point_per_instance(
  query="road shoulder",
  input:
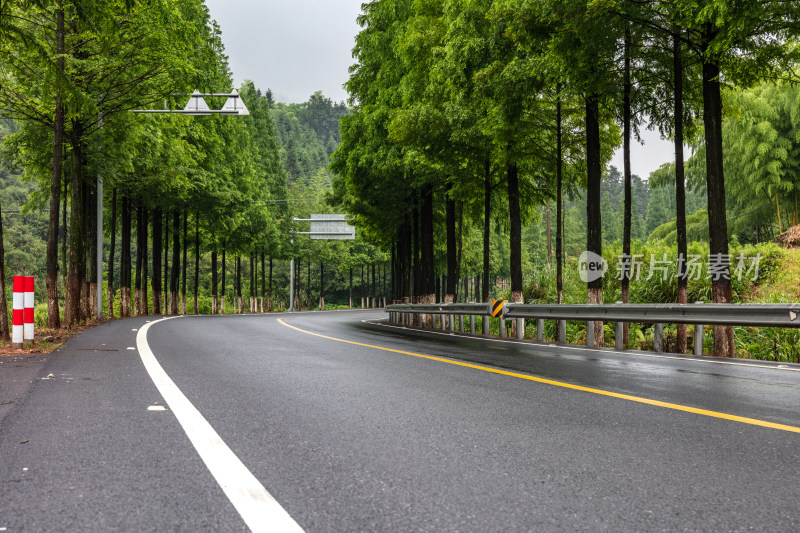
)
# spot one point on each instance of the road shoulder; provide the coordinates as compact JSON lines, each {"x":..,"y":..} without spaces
{"x":17,"y":374}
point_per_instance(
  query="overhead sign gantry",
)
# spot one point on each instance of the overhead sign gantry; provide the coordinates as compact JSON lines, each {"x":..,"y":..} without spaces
{"x":326,"y":227}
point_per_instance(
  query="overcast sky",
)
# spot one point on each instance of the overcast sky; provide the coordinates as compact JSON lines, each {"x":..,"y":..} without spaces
{"x":294,"y":47}
{"x":297,"y":47}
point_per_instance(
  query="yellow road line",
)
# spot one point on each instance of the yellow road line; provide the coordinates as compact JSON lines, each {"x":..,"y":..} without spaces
{"x":638,"y":399}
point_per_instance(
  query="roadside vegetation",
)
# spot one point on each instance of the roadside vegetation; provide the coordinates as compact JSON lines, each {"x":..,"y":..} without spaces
{"x":473,"y":156}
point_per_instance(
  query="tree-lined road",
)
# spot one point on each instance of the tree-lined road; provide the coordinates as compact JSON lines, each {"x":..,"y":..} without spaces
{"x":392,"y":431}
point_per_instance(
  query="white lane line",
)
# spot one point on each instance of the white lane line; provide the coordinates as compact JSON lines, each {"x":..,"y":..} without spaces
{"x":260,"y":511}
{"x":375,"y":322}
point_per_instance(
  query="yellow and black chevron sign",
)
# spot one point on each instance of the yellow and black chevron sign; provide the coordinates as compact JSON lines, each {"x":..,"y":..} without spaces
{"x":497,"y":307}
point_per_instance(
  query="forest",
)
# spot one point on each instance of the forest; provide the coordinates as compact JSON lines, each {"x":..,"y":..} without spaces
{"x":487,"y":110}
{"x":195,"y":208}
{"x":472,"y":156}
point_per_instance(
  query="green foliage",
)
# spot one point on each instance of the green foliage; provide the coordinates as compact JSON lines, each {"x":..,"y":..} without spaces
{"x":696,"y":229}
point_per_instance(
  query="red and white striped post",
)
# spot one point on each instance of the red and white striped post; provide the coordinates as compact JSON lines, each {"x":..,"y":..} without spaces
{"x":27,"y":325}
{"x":18,"y":312}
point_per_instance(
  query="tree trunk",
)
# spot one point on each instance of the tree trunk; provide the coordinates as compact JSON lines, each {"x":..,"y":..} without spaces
{"x":125,"y":259}
{"x":416,"y":261}
{"x":321,"y":286}
{"x":111,"y":251}
{"x":427,"y":283}
{"x":715,"y":186}
{"x":269,"y":299}
{"x":351,"y":287}
{"x":308,"y":284}
{"x":559,"y":202}
{"x":53,"y":313}
{"x":222,"y":282}
{"x":680,"y":187}
{"x":76,"y":228}
{"x":626,"y":154}
{"x":452,"y":269}
{"x":515,"y":221}
{"x":396,"y":277}
{"x":487,"y":226}
{"x":549,"y":242}
{"x":459,"y":240}
{"x":157,"y":247}
{"x":167,"y":280}
{"x":145,"y":259}
{"x":137,"y":299}
{"x":214,"y":293}
{"x":253,"y":283}
{"x":239,"y":283}
{"x":236,"y":299}
{"x":91,"y":216}
{"x":64,"y":239}
{"x":263,"y":281}
{"x":375,"y":289}
{"x":87,"y":233}
{"x":5,"y":332}
{"x":594,"y":241}
{"x":183,"y":265}
{"x":406,"y":262}
{"x":176,"y":263}
{"x":197,"y":263}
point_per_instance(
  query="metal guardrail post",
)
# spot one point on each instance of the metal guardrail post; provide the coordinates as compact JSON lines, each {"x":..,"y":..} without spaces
{"x":485,"y":324}
{"x":698,"y":337}
{"x":451,"y":326}
{"x":540,"y":329}
{"x":502,"y":330}
{"x":520,"y":328}
{"x":619,"y":336}
{"x":590,"y":333}
{"x":472,"y":324}
{"x":562,"y":331}
{"x":658,"y":338}
{"x":461,"y":326}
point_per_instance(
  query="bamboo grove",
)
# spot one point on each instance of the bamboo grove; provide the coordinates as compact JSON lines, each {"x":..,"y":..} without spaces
{"x":498,"y":106}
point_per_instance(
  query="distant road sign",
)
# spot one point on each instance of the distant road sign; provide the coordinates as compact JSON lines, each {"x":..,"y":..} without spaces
{"x":328,"y":227}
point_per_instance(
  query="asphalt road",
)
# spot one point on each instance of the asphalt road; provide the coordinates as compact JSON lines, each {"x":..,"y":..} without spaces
{"x":277,"y":424}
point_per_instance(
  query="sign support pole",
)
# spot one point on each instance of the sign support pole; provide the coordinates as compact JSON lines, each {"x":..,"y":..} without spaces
{"x":291,"y":283}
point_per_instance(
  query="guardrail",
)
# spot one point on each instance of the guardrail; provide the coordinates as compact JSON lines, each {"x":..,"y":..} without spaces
{"x":763,"y":315}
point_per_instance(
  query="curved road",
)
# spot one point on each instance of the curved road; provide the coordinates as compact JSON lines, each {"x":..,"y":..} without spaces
{"x":338,"y":421}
